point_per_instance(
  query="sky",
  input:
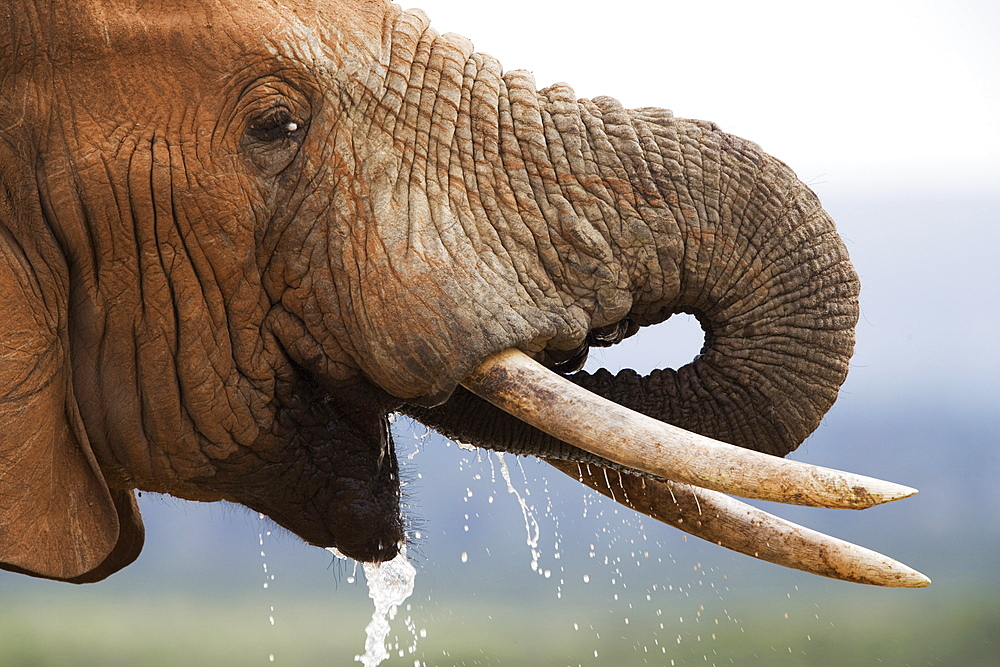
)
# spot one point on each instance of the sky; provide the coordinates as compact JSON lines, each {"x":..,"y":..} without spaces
{"x":860,"y":93}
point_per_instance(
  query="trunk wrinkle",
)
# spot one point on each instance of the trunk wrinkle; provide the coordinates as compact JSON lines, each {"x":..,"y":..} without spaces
{"x":590,"y":220}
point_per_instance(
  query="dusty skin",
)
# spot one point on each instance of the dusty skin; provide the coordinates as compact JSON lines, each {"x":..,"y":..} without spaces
{"x":235,"y":237}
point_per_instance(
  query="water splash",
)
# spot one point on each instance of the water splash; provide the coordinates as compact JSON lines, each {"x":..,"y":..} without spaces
{"x":389,"y":585}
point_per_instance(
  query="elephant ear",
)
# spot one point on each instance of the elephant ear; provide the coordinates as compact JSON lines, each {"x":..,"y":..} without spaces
{"x":58,"y":518}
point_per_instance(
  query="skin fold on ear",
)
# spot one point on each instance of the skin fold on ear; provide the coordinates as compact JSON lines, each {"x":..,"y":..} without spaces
{"x":58,"y":518}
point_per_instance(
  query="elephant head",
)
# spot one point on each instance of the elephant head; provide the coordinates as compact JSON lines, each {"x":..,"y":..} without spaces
{"x":235,"y":237}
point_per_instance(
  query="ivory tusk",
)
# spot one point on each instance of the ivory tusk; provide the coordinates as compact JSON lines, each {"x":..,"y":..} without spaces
{"x":734,"y":525}
{"x":521,"y":386}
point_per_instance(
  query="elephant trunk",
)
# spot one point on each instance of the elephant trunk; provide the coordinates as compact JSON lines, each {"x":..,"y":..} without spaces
{"x":616,"y":219}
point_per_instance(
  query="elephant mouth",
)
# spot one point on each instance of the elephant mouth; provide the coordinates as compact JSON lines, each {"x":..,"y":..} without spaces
{"x":681,"y":477}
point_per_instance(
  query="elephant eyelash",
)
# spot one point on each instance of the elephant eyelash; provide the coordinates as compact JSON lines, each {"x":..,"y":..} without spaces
{"x":274,"y":125}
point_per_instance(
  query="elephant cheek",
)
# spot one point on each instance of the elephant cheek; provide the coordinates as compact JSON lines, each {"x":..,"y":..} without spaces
{"x":421,"y":290}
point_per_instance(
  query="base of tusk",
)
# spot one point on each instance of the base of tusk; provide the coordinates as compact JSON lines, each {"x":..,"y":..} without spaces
{"x":734,"y":525}
{"x":521,"y":386}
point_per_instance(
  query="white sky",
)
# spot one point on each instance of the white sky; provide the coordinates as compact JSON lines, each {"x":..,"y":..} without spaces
{"x":869,"y":94}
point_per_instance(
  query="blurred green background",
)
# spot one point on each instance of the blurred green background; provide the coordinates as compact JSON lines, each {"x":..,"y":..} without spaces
{"x":163,"y":628}
{"x":889,"y":111}
{"x":607,"y":587}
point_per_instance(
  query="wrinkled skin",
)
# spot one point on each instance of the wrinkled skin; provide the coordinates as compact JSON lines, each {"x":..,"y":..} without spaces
{"x":235,"y":236}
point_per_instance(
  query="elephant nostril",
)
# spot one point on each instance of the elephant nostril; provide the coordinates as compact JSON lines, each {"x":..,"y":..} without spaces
{"x":567,"y":362}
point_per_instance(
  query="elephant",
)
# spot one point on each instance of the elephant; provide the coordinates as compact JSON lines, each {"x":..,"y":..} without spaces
{"x":235,"y":238}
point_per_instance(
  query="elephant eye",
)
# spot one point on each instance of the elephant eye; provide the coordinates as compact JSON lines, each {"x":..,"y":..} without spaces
{"x":274,"y":125}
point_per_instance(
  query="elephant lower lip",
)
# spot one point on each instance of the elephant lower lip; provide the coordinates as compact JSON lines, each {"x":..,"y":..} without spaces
{"x":366,"y":553}
{"x":368,"y":529}
{"x":363,"y":536}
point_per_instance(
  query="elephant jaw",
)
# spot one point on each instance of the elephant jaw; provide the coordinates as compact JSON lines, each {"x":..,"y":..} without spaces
{"x":699,"y":471}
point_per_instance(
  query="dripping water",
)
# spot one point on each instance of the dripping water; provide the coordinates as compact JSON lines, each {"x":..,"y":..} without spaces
{"x":268,"y":576}
{"x":530,"y":523}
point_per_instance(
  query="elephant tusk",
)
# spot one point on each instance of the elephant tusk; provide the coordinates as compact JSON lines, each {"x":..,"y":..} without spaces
{"x":521,"y":386}
{"x":734,"y":525}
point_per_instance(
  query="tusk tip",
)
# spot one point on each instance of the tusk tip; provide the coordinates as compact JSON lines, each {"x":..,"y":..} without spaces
{"x":886,"y":492}
{"x":893,"y":574}
{"x":913,"y":579}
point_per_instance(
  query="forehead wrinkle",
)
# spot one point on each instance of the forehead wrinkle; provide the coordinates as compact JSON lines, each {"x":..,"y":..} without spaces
{"x":220,"y":38}
{"x":296,"y":40}
{"x":70,"y":32}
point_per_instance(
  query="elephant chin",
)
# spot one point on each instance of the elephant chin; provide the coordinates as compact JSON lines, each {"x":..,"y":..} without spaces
{"x":359,"y":519}
{"x":369,"y":545}
{"x":367,"y":530}
{"x":334,"y":483}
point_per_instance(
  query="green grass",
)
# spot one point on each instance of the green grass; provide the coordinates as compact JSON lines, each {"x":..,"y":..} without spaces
{"x":62,"y":627}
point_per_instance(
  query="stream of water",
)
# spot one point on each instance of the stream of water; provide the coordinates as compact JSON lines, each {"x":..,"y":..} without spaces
{"x":389,"y":585}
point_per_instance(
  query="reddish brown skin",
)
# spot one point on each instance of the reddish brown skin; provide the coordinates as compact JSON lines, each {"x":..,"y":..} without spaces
{"x":235,"y":236}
